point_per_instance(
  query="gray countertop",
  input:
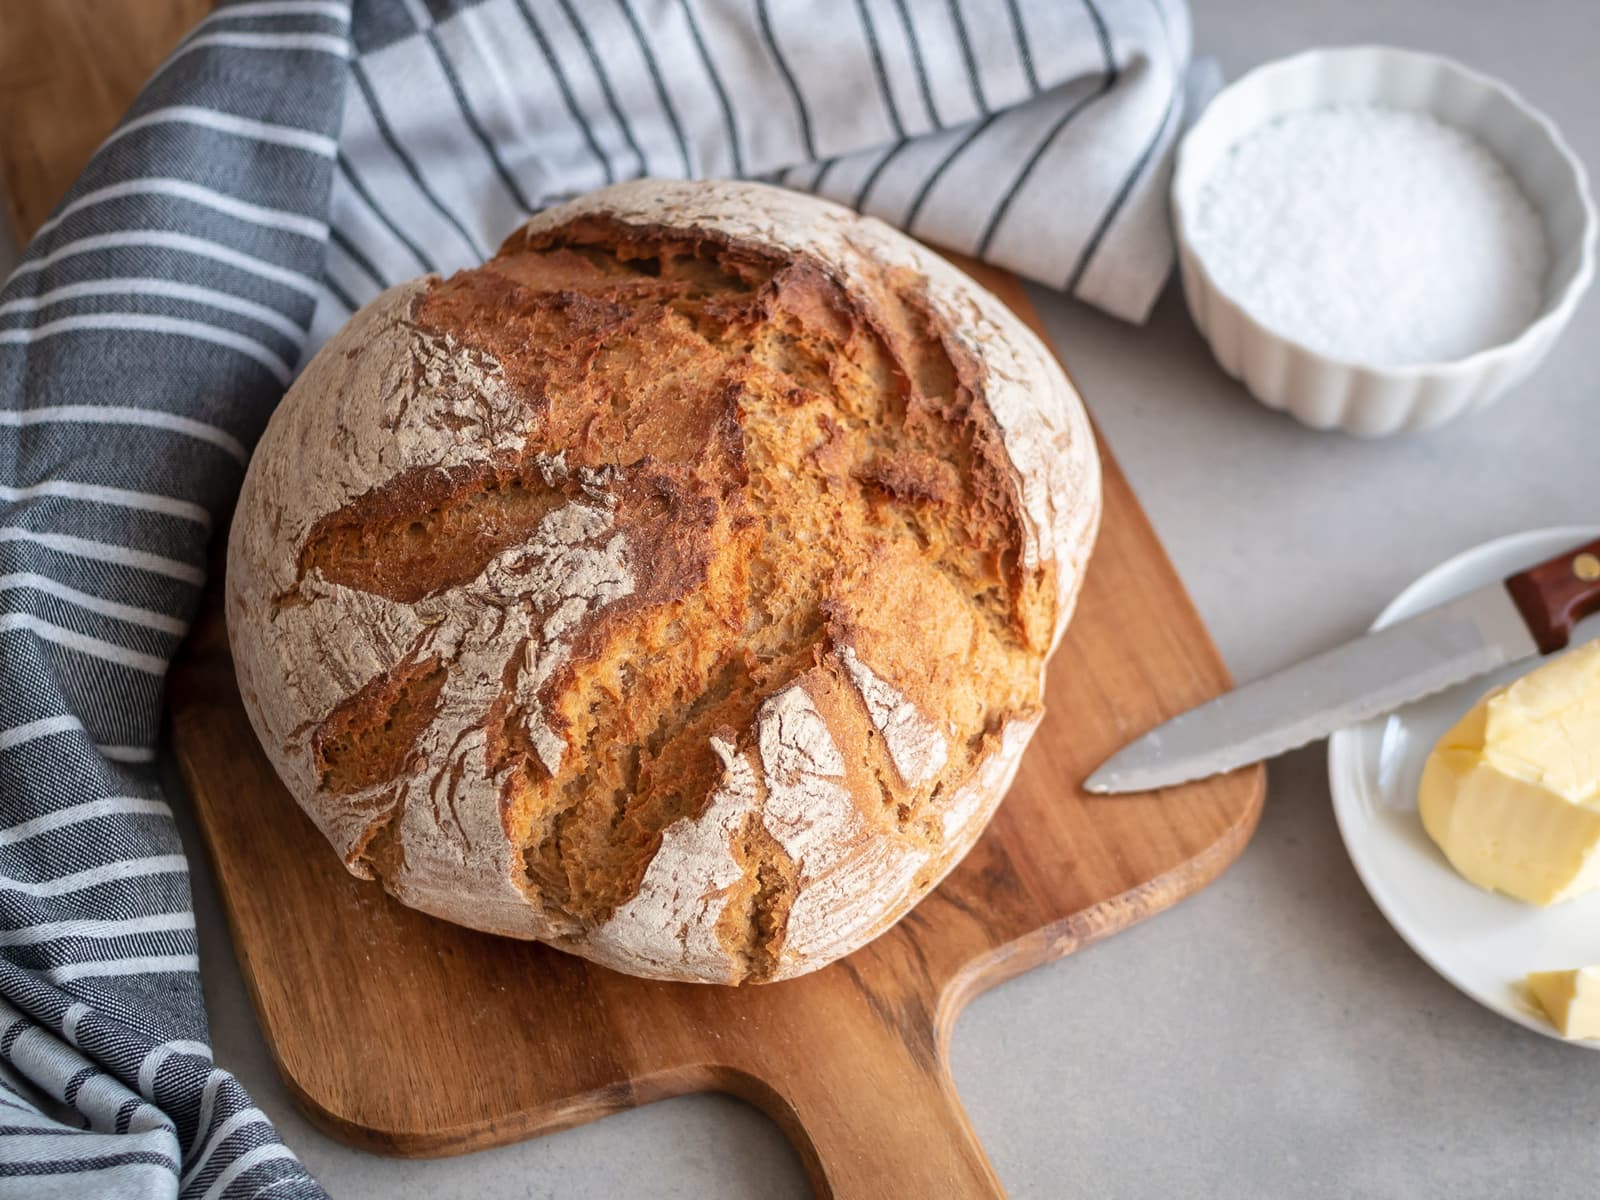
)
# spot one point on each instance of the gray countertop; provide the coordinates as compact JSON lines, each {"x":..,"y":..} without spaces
{"x":1271,"y":1036}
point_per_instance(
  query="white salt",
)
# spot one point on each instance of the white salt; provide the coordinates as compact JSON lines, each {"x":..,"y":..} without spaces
{"x":1374,"y":236}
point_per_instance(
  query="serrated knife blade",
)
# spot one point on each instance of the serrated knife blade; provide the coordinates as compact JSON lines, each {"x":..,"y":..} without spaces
{"x":1362,"y":679}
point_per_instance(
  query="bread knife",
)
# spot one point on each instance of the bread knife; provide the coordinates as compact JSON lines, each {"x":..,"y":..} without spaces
{"x":1526,"y":615}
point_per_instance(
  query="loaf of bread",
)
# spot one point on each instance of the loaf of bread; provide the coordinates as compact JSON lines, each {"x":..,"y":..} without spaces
{"x":676,"y":588}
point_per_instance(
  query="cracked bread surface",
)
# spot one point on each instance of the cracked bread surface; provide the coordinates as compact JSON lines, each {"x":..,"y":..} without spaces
{"x":675,"y":588}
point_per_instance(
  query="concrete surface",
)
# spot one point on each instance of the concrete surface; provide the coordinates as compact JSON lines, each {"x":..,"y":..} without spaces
{"x":1272,"y":1036}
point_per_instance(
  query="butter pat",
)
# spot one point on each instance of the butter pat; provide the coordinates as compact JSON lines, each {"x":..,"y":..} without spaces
{"x":1512,"y":793}
{"x":1571,"y":999}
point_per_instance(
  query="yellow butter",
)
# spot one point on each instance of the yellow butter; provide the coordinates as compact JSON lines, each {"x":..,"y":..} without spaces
{"x":1571,"y":999}
{"x":1512,"y":793}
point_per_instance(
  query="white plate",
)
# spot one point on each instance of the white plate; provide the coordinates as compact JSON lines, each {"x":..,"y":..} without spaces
{"x":1482,"y":942}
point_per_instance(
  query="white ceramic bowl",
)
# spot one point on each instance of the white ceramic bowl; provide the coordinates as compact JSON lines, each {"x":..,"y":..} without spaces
{"x":1362,"y":399}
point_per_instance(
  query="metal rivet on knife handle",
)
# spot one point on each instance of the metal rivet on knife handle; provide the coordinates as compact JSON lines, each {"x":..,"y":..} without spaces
{"x":1556,"y":595}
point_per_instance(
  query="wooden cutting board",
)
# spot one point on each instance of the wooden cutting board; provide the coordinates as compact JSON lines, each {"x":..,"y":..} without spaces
{"x":405,"y":1035}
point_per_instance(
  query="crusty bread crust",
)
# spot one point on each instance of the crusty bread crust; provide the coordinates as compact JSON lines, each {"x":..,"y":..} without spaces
{"x":676,"y":588}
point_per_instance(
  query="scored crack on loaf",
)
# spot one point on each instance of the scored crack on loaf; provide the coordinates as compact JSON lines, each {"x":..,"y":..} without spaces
{"x":675,"y":588}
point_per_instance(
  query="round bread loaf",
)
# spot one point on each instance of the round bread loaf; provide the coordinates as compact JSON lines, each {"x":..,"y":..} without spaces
{"x":675,"y":588}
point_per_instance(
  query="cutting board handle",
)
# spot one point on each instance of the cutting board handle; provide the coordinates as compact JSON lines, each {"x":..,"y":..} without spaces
{"x":872,"y":1109}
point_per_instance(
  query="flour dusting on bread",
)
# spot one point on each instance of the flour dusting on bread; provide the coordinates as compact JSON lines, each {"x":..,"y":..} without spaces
{"x":675,"y":588}
{"x":671,"y":923}
{"x":915,"y":744}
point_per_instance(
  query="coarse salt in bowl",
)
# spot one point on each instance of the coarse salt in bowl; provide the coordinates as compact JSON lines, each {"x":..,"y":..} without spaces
{"x":1393,"y":297}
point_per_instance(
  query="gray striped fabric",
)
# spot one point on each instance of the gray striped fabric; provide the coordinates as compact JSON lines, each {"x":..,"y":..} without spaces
{"x":289,"y":161}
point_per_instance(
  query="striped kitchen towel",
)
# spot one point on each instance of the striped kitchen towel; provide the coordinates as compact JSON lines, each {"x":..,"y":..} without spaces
{"x":289,"y":160}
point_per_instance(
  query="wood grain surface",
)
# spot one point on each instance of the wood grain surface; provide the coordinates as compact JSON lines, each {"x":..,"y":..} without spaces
{"x":404,"y":1035}
{"x":68,"y":69}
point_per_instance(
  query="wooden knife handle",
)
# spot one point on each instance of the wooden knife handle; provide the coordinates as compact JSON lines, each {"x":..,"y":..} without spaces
{"x":1556,"y":595}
